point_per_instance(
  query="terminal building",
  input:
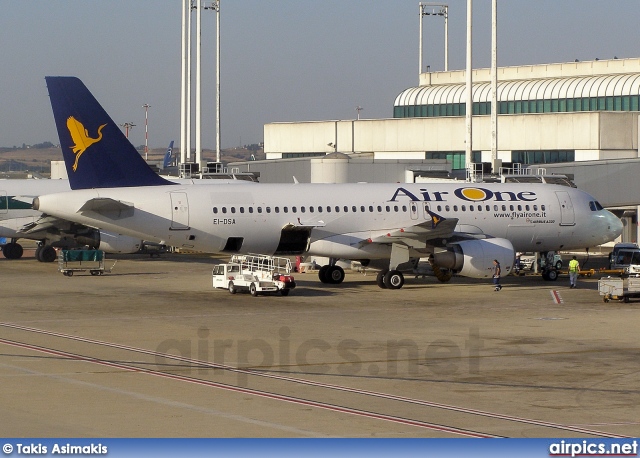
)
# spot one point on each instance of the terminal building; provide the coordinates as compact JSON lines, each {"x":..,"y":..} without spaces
{"x":575,"y":118}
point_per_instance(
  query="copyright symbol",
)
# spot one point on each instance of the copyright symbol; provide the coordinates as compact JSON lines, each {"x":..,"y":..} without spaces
{"x":7,"y":448}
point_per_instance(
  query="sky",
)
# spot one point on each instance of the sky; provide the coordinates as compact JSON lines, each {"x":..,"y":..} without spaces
{"x":281,"y":60}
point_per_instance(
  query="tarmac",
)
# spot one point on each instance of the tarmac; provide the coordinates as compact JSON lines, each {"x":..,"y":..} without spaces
{"x":151,"y":350}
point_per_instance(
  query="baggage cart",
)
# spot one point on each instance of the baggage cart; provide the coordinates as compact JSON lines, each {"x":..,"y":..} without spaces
{"x":619,"y":288}
{"x":71,"y":261}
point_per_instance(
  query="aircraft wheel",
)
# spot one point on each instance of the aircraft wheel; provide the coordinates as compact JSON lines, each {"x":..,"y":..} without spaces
{"x":394,"y":279}
{"x":12,"y":251}
{"x":6,"y":250}
{"x":232,"y":288}
{"x":285,"y":292}
{"x":322,"y":274}
{"x":253,"y":290}
{"x":335,"y":274}
{"x":380,"y":279}
{"x":47,"y":254}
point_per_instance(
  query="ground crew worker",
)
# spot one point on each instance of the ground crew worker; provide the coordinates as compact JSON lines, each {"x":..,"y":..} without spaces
{"x":496,"y":275}
{"x":574,"y":269}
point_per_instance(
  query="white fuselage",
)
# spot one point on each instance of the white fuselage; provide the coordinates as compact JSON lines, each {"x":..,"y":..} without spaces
{"x":534,"y":217}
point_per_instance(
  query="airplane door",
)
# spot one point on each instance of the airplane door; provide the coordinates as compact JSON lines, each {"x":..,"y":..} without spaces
{"x":179,"y":211}
{"x":567,"y":215}
{"x":413,"y":207}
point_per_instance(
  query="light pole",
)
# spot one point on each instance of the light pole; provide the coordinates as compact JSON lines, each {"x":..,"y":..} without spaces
{"x":435,"y":9}
{"x":127,"y":126}
{"x":146,"y":107}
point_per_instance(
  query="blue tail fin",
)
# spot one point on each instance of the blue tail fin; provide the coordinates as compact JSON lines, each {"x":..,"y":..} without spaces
{"x":96,"y":152}
{"x":167,"y":156}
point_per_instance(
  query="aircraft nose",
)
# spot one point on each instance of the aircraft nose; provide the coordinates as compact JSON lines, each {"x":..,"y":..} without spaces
{"x":615,"y":225}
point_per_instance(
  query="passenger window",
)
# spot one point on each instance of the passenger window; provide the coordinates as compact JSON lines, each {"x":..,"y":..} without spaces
{"x":395,"y":208}
{"x":488,"y":208}
{"x":455,"y":208}
{"x":535,"y":208}
{"x":446,"y":208}
{"x":519,"y":208}
{"x":328,"y":209}
{"x":387,"y":208}
{"x":337,"y":209}
{"x":354,"y":208}
{"x":259,"y":209}
{"x":250,"y":209}
{"x":504,"y":208}
{"x":311,"y":209}
{"x":511,"y":207}
{"x":241,"y":209}
{"x":464,"y":208}
{"x":345,"y":208}
{"x":404,"y":208}
{"x":526,"y":207}
{"x":371,"y":208}
{"x":439,"y":208}
{"x":543,"y":207}
{"x":362,"y":208}
{"x":379,"y":209}
{"x":224,"y":209}
{"x":302,"y":210}
{"x":294,"y":210}
{"x":215,"y":209}
{"x":277,"y":209}
{"x":233,"y":209}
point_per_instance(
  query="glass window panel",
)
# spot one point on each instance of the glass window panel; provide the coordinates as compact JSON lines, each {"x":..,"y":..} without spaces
{"x":609,"y":104}
{"x":626,"y":103}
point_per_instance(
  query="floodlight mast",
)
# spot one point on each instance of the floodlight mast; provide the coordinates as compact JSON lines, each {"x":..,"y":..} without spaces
{"x":435,"y":9}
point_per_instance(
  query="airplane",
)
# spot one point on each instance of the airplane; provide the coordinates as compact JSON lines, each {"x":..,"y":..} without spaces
{"x":18,"y":220}
{"x":462,"y":227}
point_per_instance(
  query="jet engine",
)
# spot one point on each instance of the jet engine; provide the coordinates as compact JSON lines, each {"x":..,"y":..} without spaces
{"x":474,"y":258}
{"x":110,"y":242}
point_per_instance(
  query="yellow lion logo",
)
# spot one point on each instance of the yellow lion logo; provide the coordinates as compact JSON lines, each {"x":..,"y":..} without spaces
{"x":80,"y":137}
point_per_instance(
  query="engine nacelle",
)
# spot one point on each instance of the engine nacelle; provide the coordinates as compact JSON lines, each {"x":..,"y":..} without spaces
{"x":474,"y":258}
{"x":110,"y":242}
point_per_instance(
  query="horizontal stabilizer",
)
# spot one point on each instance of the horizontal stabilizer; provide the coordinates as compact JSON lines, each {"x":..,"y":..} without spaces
{"x":108,"y":207}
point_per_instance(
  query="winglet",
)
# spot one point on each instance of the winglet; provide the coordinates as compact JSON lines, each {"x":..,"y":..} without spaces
{"x":435,"y":218}
{"x":96,"y":152}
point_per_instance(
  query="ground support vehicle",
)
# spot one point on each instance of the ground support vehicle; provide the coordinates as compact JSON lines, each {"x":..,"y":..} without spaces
{"x":258,"y":274}
{"x":619,"y":288}
{"x":70,"y":261}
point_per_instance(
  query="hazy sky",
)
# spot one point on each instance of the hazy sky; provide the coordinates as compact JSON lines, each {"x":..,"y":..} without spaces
{"x":282,"y":60}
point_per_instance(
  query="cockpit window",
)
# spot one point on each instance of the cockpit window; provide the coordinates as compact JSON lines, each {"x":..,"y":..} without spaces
{"x":594,"y":205}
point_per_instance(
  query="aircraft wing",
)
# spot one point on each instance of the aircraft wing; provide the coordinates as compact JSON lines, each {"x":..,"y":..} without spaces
{"x":419,"y":234}
{"x":43,"y":224}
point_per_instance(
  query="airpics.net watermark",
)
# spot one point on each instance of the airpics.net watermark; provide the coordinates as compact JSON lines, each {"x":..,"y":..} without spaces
{"x":347,"y":357}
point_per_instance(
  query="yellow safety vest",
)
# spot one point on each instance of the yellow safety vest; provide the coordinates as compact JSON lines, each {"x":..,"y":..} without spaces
{"x":573,"y":265}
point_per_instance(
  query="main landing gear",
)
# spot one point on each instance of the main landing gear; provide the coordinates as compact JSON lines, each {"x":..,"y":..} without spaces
{"x":331,"y":273}
{"x":12,"y":250}
{"x":46,"y":253}
{"x":390,"y":279}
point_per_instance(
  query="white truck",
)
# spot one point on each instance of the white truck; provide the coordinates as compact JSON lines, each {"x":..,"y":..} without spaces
{"x":256,"y":273}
